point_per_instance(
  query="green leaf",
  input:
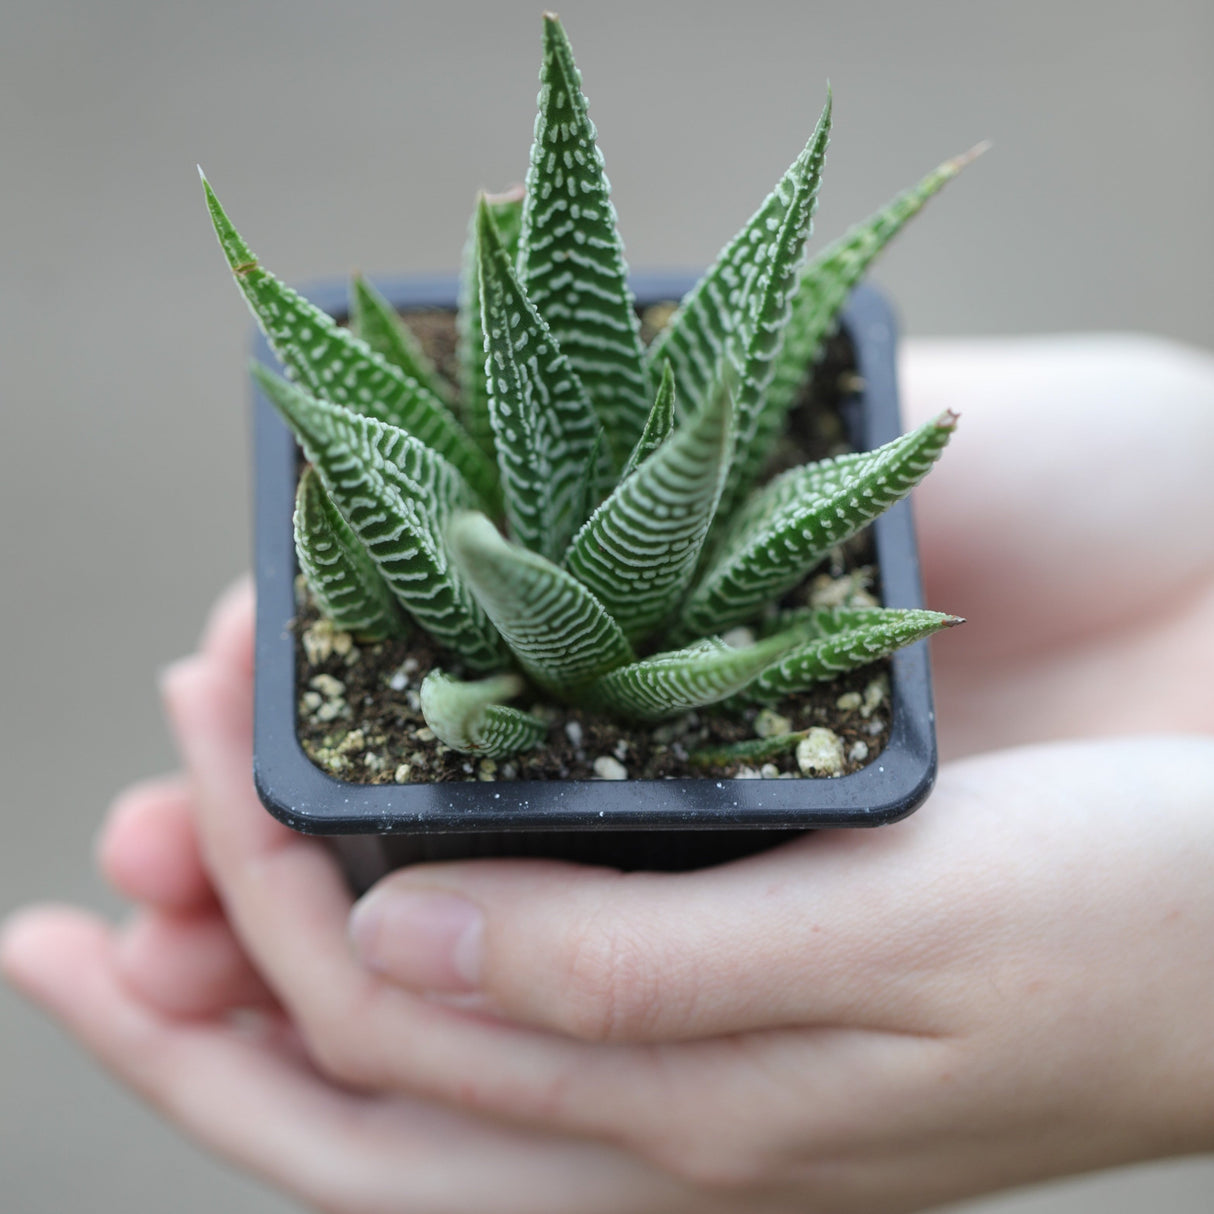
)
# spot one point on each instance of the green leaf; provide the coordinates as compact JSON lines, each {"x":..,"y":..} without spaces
{"x":544,"y":427}
{"x":558,"y":630}
{"x":751,"y":750}
{"x":333,"y":364}
{"x":658,"y":426}
{"x":841,"y":639}
{"x":768,"y":313}
{"x":397,"y":495}
{"x":507,"y":212}
{"x":469,"y":717}
{"x":826,"y":283}
{"x":682,"y":679}
{"x":706,"y":325}
{"x":375,"y":321}
{"x":571,"y":259}
{"x":347,"y":586}
{"x":638,"y":552}
{"x":792,"y":522}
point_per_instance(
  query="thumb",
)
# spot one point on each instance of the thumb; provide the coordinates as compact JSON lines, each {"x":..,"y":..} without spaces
{"x":630,"y":957}
{"x":890,"y":930}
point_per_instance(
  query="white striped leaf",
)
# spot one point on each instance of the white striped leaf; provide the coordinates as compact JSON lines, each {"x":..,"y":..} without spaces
{"x":507,"y":212}
{"x":767,"y":315}
{"x":658,"y":426}
{"x":336,"y":366}
{"x":544,"y":427}
{"x":841,"y":639}
{"x":343,"y":578}
{"x":374,"y":320}
{"x":559,"y":632}
{"x":711,"y":319}
{"x":792,"y":522}
{"x":825,"y":284}
{"x":702,"y":673}
{"x":571,"y":260}
{"x":397,"y":495}
{"x":470,"y":718}
{"x":638,"y":552}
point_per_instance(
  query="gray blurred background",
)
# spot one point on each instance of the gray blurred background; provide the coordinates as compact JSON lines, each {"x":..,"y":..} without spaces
{"x":356,"y":135}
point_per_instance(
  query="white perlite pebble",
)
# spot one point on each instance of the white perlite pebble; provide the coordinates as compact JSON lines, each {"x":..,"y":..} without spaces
{"x":748,"y":773}
{"x":820,"y":752}
{"x":874,"y":696}
{"x":328,"y":686}
{"x":573,"y":731}
{"x":770,"y":724}
{"x":608,"y":768}
{"x":769,"y":771}
{"x":399,"y":681}
{"x":739,"y":638}
{"x":402,"y":774}
{"x":859,"y":751}
{"x":849,"y":701}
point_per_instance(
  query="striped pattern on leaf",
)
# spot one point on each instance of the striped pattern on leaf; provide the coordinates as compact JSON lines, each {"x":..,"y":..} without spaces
{"x":571,"y":260}
{"x":842,"y":639}
{"x":558,"y":630}
{"x":507,"y":212}
{"x":638,"y":552}
{"x":397,"y":496}
{"x":702,"y":673}
{"x":828,"y":279}
{"x":768,"y":315}
{"x":658,"y":426}
{"x":374,"y":320}
{"x":544,"y":427}
{"x":336,"y":366}
{"x":469,"y":717}
{"x":791,"y":523}
{"x":711,"y":319}
{"x":347,"y":586}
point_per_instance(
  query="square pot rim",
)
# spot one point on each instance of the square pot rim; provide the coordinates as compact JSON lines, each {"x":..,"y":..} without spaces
{"x":310,"y":800}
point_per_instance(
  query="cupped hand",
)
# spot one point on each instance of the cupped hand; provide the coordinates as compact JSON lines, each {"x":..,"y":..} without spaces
{"x":1014,"y":983}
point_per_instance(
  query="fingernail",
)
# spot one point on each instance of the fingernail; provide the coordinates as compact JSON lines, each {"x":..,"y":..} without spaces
{"x":424,"y":939}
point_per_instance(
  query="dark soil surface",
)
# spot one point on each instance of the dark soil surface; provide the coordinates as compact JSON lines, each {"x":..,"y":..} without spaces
{"x":359,"y":714}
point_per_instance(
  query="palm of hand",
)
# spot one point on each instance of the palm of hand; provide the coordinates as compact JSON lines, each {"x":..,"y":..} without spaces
{"x":868,"y":1022}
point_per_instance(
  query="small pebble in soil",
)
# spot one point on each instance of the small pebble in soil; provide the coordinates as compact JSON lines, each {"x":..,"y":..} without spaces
{"x":739,"y":638}
{"x":874,"y":695}
{"x":573,"y":731}
{"x":849,"y":701}
{"x":820,"y":752}
{"x":852,"y":589}
{"x":770,"y":724}
{"x":608,"y":768}
{"x":401,"y":775}
{"x":859,"y":751}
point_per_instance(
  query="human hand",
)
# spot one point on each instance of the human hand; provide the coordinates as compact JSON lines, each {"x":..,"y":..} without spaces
{"x":970,"y":1012}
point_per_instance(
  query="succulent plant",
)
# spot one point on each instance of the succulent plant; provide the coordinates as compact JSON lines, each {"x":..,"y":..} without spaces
{"x":584,"y":516}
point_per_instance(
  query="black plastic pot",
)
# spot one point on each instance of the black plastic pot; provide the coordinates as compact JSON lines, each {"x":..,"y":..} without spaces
{"x":659,"y":824}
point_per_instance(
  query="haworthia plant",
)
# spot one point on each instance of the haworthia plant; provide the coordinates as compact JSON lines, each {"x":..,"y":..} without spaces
{"x":471,"y":718}
{"x":577,"y":517}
